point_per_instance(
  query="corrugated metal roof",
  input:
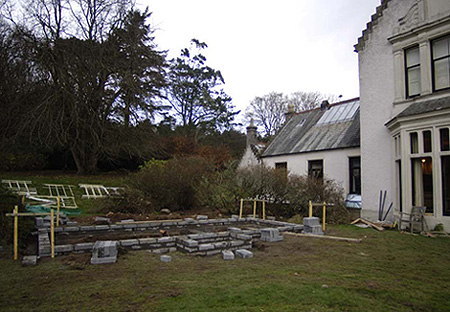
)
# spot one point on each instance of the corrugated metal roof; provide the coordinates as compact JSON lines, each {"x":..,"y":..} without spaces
{"x":315,"y":130}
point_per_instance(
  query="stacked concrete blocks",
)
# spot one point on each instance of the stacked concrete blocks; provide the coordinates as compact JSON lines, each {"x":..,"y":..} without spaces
{"x":166,"y":258}
{"x":104,"y":252}
{"x":271,"y":235}
{"x":312,"y":226}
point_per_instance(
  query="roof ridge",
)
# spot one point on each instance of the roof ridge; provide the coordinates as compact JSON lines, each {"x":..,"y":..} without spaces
{"x":369,"y":26}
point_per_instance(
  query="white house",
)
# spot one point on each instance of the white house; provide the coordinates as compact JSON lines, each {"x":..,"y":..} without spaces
{"x":404,"y":70}
{"x":321,"y":142}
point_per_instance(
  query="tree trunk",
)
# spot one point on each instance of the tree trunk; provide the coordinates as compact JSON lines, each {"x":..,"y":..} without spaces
{"x":86,"y":160}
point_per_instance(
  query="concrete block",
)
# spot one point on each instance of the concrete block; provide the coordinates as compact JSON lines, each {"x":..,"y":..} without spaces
{"x":189,"y":220}
{"x":128,"y":242}
{"x":136,"y":247}
{"x":71,"y":228}
{"x":169,"y":239}
{"x":243,"y":237}
{"x":227,"y":255}
{"x":103,"y":219}
{"x":63,"y":248}
{"x":116,"y":227}
{"x":170,"y":223}
{"x":314,"y":229}
{"x":172,"y":249}
{"x":149,"y":240}
{"x":83,"y":246}
{"x":212,"y":252}
{"x":190,"y":243}
{"x":271,"y":235}
{"x":104,"y":252}
{"x":166,"y":258}
{"x":311,"y":221}
{"x":29,"y":260}
{"x":160,"y":250}
{"x":193,"y":236}
{"x":220,"y":245}
{"x":202,"y":217}
{"x":87,"y":228}
{"x":234,"y":217}
{"x":242,"y":253}
{"x":205,"y":247}
{"x":39,"y":221}
{"x":236,"y":243}
{"x":130,"y":226}
{"x":71,"y":223}
{"x":101,"y":227}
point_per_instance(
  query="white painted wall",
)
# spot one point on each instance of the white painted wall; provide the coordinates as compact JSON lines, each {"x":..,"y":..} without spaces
{"x":248,"y":159}
{"x":377,"y":94}
{"x":335,"y":163}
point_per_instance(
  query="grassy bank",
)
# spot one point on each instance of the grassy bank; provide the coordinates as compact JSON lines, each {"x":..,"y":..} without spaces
{"x":387,"y":271}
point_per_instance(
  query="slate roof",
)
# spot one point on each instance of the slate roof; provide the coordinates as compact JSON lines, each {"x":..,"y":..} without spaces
{"x":426,"y":107}
{"x":335,"y":127}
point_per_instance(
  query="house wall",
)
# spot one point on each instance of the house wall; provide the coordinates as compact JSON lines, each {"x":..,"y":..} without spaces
{"x":403,"y":24}
{"x":335,"y":163}
{"x":248,"y":159}
{"x":377,"y":92}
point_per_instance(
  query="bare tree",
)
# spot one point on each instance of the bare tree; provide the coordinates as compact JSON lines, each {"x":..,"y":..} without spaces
{"x":269,"y":110}
{"x":309,"y":100}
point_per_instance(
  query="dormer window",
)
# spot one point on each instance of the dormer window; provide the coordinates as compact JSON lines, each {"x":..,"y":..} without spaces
{"x":441,"y":63}
{"x":412,"y":64}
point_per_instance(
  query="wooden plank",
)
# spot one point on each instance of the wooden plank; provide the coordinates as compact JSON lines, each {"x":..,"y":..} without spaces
{"x":29,"y":214}
{"x":373,"y":225}
{"x":345,"y":239}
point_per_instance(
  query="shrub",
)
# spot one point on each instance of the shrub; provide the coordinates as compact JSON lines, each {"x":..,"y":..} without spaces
{"x":169,"y":184}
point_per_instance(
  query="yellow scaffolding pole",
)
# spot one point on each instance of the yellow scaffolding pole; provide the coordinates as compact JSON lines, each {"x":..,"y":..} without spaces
{"x":254,"y":207}
{"x":52,"y":233}
{"x":16,"y":231}
{"x":324,"y":211}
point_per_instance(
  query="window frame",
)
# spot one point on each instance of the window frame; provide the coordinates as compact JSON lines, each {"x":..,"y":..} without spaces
{"x":407,"y":70}
{"x":433,"y":61}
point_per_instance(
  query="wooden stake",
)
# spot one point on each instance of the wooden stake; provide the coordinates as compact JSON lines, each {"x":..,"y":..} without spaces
{"x":57,"y":211}
{"x":254,"y":208}
{"x":346,"y":239}
{"x":242,"y":206}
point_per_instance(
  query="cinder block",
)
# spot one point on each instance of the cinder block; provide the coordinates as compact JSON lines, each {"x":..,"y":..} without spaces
{"x":271,"y":235}
{"x":227,"y":255}
{"x":202,"y":217}
{"x":242,"y":253}
{"x":101,"y":227}
{"x":149,"y":240}
{"x":311,"y":221}
{"x":63,"y":248}
{"x":190,"y":243}
{"x":71,"y":228}
{"x":203,"y":247}
{"x":29,"y":260}
{"x":87,"y":228}
{"x":39,"y":221}
{"x":83,"y":246}
{"x":128,"y":242}
{"x":166,"y":239}
{"x":166,"y":258}
{"x":212,"y":252}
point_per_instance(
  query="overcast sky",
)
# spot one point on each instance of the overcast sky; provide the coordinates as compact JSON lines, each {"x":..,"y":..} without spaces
{"x":263,"y":46}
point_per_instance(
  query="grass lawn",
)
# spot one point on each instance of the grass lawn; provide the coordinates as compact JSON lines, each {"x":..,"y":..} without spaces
{"x":387,"y":271}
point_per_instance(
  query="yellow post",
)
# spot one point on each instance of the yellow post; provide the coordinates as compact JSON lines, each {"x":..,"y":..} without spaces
{"x":254,"y":208}
{"x":16,"y":232}
{"x":310,"y":209}
{"x":57,"y":210}
{"x":23,"y":200}
{"x":324,"y":215}
{"x":52,"y":233}
{"x":264,"y":209}
{"x":242,"y":206}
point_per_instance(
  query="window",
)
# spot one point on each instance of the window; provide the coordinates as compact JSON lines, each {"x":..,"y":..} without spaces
{"x":281,"y":166}
{"x":427,"y":141}
{"x":446,"y":185}
{"x":414,"y":142}
{"x":441,"y":63}
{"x":315,"y":169}
{"x":444,"y":139}
{"x":422,"y":182}
{"x":355,"y":175}
{"x":412,"y":66}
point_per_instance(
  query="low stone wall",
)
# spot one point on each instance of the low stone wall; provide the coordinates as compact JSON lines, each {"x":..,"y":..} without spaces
{"x":198,"y":244}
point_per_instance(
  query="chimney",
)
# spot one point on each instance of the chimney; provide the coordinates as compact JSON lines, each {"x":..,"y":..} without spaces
{"x":290,"y":112}
{"x":251,"y":134}
{"x":325,"y":104}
